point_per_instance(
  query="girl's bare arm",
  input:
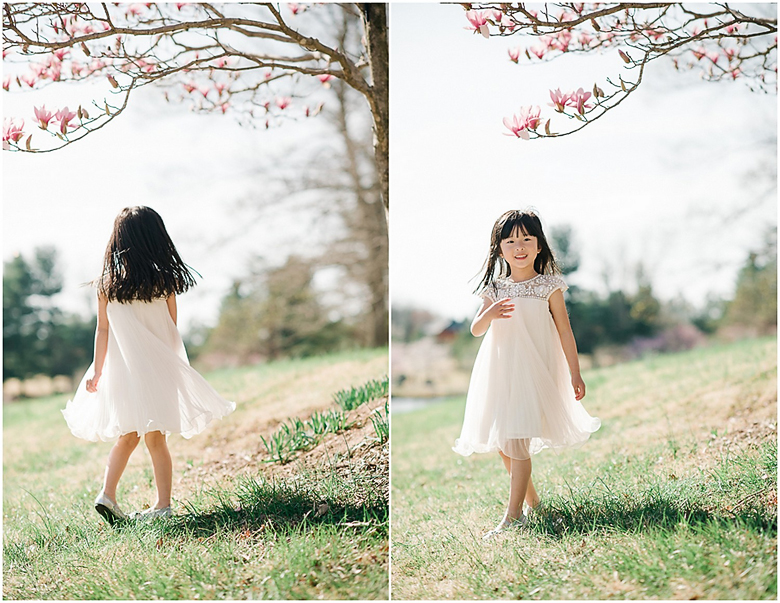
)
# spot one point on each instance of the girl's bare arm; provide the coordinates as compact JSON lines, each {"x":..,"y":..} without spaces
{"x":561,"y":319}
{"x":171,"y":301}
{"x":101,"y":342}
{"x":489,"y":311}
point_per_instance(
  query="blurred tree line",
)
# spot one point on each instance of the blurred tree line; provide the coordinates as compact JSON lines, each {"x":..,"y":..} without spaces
{"x":38,"y":337}
{"x":637,"y":321}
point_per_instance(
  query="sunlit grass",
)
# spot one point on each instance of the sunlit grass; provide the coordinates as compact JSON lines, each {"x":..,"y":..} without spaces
{"x":311,"y":533}
{"x":672,"y":498}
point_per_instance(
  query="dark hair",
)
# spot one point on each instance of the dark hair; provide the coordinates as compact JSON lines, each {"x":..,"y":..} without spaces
{"x":141,"y":262}
{"x":529,"y":224}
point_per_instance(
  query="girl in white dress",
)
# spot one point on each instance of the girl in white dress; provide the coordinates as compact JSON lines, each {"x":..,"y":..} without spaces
{"x":526,"y":385}
{"x":141,"y":382}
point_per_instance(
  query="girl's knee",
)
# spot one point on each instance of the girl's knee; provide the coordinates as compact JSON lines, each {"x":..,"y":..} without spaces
{"x":155,"y":439}
{"x":129,"y":439}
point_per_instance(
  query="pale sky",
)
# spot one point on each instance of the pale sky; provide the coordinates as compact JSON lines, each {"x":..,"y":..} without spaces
{"x":194,"y":170}
{"x":656,"y":180}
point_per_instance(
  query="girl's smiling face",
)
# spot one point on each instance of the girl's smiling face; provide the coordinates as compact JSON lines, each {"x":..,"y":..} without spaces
{"x":519,"y":250}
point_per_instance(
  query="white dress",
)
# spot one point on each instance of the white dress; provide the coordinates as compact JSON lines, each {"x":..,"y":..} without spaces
{"x":147,"y":383}
{"x":520,"y":397}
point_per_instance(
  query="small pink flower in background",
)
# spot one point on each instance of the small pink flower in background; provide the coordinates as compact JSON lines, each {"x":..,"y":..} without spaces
{"x":730,"y":54}
{"x":514,"y":54}
{"x":29,"y":79}
{"x":506,"y":21}
{"x":478,"y":20}
{"x":220,"y":88}
{"x":325,"y":77}
{"x":699,"y":52}
{"x":224,"y":107}
{"x":43,"y":116}
{"x":204,"y":90}
{"x":6,"y":82}
{"x":12,"y":131}
{"x":494,"y":14}
{"x":735,"y":73}
{"x":283,"y":102}
{"x":268,"y":75}
{"x":562,"y":41}
{"x":220,"y":62}
{"x":189,"y":86}
{"x":577,"y":100}
{"x":180,"y":4}
{"x":538,"y":51}
{"x":559,"y":100}
{"x":294,"y":7}
{"x":528,"y":119}
{"x":585,"y":39}
{"x":713,"y":56}
{"x":732,"y":28}
{"x":64,"y":116}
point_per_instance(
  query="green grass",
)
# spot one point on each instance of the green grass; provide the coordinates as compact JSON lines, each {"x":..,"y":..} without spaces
{"x":319,"y":531}
{"x":655,"y":505}
{"x":350,"y":399}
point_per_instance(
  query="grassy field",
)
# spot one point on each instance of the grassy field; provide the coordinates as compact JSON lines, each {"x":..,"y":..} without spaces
{"x":675,"y":497}
{"x":316,"y":527}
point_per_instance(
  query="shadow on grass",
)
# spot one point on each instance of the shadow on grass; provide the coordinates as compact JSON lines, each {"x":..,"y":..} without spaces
{"x":283,"y":505}
{"x":653,"y":508}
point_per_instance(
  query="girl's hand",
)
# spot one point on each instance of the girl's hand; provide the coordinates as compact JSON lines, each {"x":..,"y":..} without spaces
{"x":92,"y":384}
{"x":579,"y":387}
{"x":503,"y":308}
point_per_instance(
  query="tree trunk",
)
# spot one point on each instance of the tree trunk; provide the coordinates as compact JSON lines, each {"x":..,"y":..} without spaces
{"x":375,"y":26}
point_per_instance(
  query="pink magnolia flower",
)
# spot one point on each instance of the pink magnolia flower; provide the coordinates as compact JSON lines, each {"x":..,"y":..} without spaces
{"x":294,"y":7}
{"x":528,"y":119}
{"x":220,"y":88}
{"x":43,"y":116}
{"x":478,"y":20}
{"x":735,"y":73}
{"x":224,"y":107}
{"x":29,"y":79}
{"x":732,"y":28}
{"x":585,"y":39}
{"x":730,"y":54}
{"x":699,"y":52}
{"x":514,"y":54}
{"x":190,"y":86}
{"x":325,"y":77}
{"x":577,"y":100}
{"x":494,"y":14}
{"x":713,"y":56}
{"x":180,"y":4}
{"x":12,"y":131}
{"x":204,"y":90}
{"x":559,"y":100}
{"x":283,"y":102}
{"x":64,"y":116}
{"x":538,"y":51}
{"x":508,"y":23}
{"x":562,"y":41}
{"x":6,"y":82}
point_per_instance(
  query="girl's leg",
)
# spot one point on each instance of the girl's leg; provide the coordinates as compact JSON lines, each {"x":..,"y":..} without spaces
{"x":520,"y":476}
{"x":163,"y":467}
{"x":531,"y":497}
{"x":117,"y":461}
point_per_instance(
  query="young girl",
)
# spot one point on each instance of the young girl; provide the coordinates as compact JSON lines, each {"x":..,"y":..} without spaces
{"x":526,"y":385}
{"x":140,"y":383}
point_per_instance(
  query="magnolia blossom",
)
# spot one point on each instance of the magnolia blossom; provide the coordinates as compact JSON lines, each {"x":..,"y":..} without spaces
{"x":514,"y":54}
{"x":12,"y":132}
{"x":559,"y":100}
{"x":528,"y":119}
{"x":43,"y":116}
{"x":478,"y":20}
{"x":224,"y":107}
{"x":325,"y":77}
{"x":283,"y":102}
{"x":577,"y":99}
{"x":64,"y":116}
{"x":6,"y":82}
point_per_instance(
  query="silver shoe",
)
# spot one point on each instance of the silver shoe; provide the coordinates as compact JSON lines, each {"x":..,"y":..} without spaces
{"x":109,"y":509}
{"x":506,"y":524}
{"x":152,"y":513}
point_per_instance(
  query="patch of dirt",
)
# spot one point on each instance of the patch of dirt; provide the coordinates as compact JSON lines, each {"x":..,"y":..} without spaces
{"x":356,"y":449}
